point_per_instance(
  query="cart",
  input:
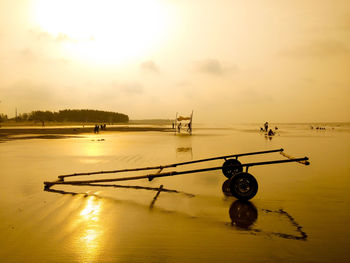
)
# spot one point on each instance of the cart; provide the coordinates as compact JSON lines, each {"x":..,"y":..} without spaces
{"x":239,"y":184}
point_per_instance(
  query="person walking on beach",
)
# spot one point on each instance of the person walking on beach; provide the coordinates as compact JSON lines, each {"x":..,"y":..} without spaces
{"x":189,"y":127}
{"x":97,"y":128}
{"x":266,"y":125}
{"x":179,"y":127}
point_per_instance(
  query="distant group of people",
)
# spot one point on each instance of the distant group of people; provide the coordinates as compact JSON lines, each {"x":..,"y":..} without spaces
{"x":98,"y":127}
{"x":189,"y":127}
{"x":179,"y":127}
{"x":266,"y":129}
{"x":318,"y":128}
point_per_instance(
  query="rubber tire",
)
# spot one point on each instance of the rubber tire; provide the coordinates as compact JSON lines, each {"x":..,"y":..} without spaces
{"x":243,"y":213}
{"x":243,"y":186}
{"x":230,"y":171}
{"x":226,"y":188}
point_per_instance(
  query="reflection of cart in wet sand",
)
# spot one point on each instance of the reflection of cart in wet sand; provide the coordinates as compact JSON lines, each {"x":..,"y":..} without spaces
{"x":240,"y":184}
{"x":244,"y":214}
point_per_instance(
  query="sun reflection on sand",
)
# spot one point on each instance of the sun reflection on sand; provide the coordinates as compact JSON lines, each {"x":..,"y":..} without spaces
{"x":92,"y":209}
{"x":90,"y":152}
{"x":91,"y":236}
{"x":93,"y":150}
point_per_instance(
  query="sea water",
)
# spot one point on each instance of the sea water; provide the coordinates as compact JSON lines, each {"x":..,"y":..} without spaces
{"x":300,"y":213}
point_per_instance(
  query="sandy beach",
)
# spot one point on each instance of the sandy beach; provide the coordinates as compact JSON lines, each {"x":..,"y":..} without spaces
{"x":57,"y":132}
{"x":298,"y":210}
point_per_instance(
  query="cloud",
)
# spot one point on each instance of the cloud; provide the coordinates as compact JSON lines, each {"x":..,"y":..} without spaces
{"x":27,"y":94}
{"x":132,"y":88}
{"x":210,"y":66}
{"x":30,"y":55}
{"x":213,"y":67}
{"x":323,"y":48}
{"x":24,"y":88}
{"x":252,"y":95}
{"x":128,"y":88}
{"x":345,"y":26}
{"x":42,"y":35}
{"x":62,"y":38}
{"x":342,"y":26}
{"x":47,"y":37}
{"x":183,"y":83}
{"x":149,"y":66}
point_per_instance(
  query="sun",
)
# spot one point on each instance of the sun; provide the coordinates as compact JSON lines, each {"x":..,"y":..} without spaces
{"x":104,"y":30}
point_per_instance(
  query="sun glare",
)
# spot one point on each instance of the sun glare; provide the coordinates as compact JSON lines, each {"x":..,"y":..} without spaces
{"x":91,"y":237}
{"x":103,"y":30}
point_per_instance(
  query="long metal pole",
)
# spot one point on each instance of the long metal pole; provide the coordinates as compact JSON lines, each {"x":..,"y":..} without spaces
{"x":152,"y":176}
{"x":171,"y":165}
{"x":228,"y":156}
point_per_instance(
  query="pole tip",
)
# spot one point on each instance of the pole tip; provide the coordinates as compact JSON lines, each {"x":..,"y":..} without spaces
{"x":47,"y":185}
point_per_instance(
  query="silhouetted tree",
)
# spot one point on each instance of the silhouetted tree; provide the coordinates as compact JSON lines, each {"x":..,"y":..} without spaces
{"x":23,"y":117}
{"x":78,"y":116}
{"x":3,"y":117}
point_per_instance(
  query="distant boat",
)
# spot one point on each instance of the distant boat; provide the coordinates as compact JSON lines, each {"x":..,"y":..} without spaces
{"x":183,"y":123}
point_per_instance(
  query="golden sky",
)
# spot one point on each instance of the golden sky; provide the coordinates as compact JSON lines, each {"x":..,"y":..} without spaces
{"x":228,"y":60}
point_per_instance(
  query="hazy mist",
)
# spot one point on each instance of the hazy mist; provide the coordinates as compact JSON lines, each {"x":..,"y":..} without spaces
{"x":229,"y":61}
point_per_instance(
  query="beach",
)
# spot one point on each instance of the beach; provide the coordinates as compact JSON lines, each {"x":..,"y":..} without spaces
{"x":300,"y":213}
{"x":65,"y":131}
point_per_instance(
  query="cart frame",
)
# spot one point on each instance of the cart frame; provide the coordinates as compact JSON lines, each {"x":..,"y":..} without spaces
{"x":240,"y":184}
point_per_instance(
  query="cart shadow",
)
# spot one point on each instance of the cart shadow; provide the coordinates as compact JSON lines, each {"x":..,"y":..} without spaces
{"x":136,"y":187}
{"x":244,"y":214}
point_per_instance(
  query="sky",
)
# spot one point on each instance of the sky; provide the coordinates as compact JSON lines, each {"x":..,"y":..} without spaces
{"x":230,"y":61}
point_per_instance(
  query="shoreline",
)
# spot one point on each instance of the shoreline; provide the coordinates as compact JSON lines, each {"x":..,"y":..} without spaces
{"x":15,"y":133}
{"x":76,"y":130}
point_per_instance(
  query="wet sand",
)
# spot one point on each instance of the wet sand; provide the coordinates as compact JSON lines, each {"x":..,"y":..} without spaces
{"x":300,"y":213}
{"x":76,"y":130}
{"x":61,"y":132}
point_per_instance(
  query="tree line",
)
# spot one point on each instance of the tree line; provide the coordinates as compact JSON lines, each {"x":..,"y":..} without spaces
{"x":3,"y":117}
{"x":74,"y":116}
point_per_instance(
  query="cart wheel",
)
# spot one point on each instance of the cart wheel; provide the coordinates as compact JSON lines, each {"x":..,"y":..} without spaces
{"x":226,"y":188}
{"x":243,"y":186}
{"x":243,"y":213}
{"x":231,"y":167}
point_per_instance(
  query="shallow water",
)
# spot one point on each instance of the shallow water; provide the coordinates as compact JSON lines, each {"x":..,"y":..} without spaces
{"x":300,"y":213}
